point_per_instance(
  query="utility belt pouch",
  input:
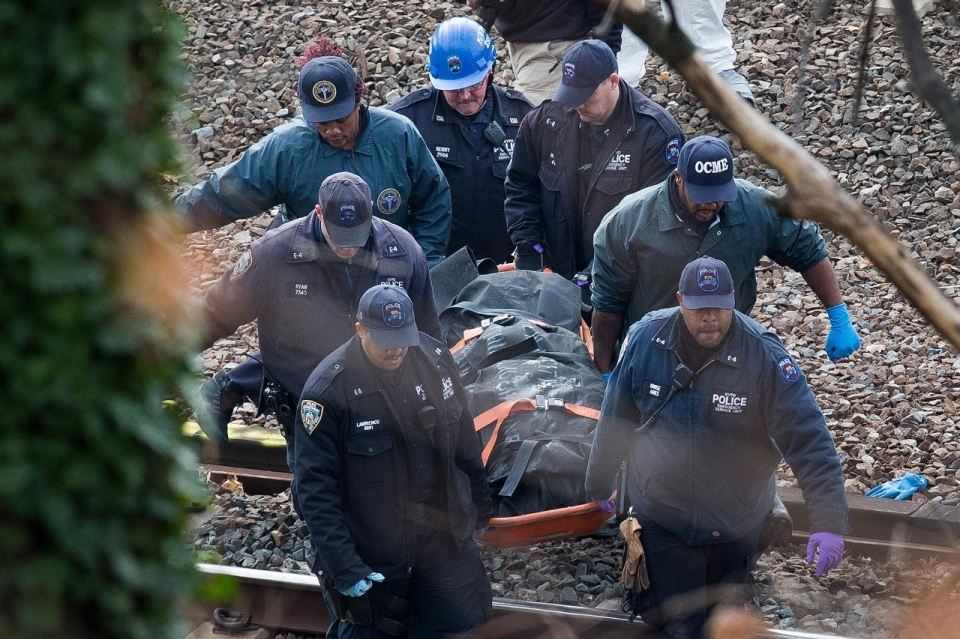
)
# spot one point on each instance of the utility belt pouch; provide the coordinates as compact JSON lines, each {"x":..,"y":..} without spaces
{"x":359,"y":610}
{"x":281,"y":404}
{"x":777,"y":526}
{"x":390,"y":599}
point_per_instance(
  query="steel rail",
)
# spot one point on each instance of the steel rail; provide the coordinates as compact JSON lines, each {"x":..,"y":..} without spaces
{"x":882,"y":529}
{"x":293,"y":602}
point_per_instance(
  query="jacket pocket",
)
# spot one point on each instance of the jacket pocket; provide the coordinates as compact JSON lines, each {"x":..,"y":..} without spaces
{"x":550,"y":196}
{"x":614,"y":184}
{"x":369,"y":460}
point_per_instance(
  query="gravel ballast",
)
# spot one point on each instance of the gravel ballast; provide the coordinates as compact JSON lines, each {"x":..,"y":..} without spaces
{"x":892,"y":406}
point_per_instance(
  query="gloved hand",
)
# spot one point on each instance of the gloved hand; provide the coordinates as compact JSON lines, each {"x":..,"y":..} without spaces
{"x":219,"y":395}
{"x":842,"y":339}
{"x":362,"y":586}
{"x":606,"y":376}
{"x":899,"y":489}
{"x":830,"y":546}
{"x":606,"y":505}
{"x":529,"y":258}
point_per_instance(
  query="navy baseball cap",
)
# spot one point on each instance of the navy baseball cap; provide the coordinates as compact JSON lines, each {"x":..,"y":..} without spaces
{"x":327,"y":88}
{"x":347,"y":209}
{"x":387,"y":312}
{"x":706,"y":283}
{"x":585,"y":66}
{"x":706,"y":166}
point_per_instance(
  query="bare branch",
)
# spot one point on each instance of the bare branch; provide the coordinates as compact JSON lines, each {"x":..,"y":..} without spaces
{"x":812,"y":193}
{"x":927,"y":83}
{"x":862,"y":62}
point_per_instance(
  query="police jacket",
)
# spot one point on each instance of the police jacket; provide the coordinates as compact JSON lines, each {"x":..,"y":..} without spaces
{"x":473,"y":166}
{"x":641,"y":248}
{"x":548,"y":20}
{"x":548,"y":177}
{"x":705,"y":468}
{"x":300,"y":294}
{"x":288,"y":166}
{"x":352,"y":471}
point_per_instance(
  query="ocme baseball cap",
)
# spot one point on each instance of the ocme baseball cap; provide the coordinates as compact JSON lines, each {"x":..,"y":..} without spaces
{"x":706,"y":283}
{"x":347,"y":209}
{"x":327,"y":88}
{"x":584,"y":67}
{"x":706,"y":166}
{"x":387,"y":312}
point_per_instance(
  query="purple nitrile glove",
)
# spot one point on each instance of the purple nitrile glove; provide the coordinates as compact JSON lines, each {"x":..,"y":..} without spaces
{"x":606,"y":505}
{"x":830,"y":546}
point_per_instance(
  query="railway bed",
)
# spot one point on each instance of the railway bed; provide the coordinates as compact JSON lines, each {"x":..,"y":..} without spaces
{"x":882,"y":528}
{"x":293,"y":602}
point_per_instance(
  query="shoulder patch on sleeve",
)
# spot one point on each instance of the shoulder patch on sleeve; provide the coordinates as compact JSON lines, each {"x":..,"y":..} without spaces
{"x":789,"y":369}
{"x":310,"y":414}
{"x":246,"y":259}
{"x":672,"y":150}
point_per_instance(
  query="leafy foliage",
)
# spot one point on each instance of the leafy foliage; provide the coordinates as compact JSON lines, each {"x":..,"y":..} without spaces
{"x":94,"y":476}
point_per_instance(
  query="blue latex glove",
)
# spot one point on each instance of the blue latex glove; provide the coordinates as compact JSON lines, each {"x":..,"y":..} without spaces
{"x":362,"y":586}
{"x":899,"y":488}
{"x":606,"y":505}
{"x":606,"y":376}
{"x":830,"y":546}
{"x":842,"y":339}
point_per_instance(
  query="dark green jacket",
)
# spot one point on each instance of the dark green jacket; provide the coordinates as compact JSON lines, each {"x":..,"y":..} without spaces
{"x":641,"y":248}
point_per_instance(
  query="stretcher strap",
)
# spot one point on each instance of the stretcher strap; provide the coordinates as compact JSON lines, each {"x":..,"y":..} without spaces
{"x":473,"y":333}
{"x":526,"y":452}
{"x":499,"y":413}
{"x":468,"y":336}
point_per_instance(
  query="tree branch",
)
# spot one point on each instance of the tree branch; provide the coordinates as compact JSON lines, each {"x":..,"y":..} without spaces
{"x":811,"y":191}
{"x":927,"y":83}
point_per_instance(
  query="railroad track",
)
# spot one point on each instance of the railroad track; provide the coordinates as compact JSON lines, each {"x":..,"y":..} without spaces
{"x":883,"y":529}
{"x":293,"y":603}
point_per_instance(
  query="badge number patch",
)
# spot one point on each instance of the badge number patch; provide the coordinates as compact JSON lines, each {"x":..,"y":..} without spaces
{"x":310,"y":414}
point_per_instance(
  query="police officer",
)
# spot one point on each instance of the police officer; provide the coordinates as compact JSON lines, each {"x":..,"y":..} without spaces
{"x":470,"y":125}
{"x":577,"y":156}
{"x":390,"y":481}
{"x":302,"y":283}
{"x":701,"y":209}
{"x":335,"y":132}
{"x":702,"y":406}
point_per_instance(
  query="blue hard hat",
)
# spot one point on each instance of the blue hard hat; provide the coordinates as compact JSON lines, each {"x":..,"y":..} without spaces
{"x":461,"y":54}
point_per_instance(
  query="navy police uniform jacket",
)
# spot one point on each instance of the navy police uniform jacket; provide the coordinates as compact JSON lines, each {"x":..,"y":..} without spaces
{"x":353,"y":473}
{"x":287,"y":167}
{"x":473,"y":166}
{"x":705,"y":468}
{"x":305,"y":299}
{"x":549,"y":175}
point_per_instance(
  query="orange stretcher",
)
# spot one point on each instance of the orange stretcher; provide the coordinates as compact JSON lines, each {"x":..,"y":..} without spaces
{"x":547,"y":525}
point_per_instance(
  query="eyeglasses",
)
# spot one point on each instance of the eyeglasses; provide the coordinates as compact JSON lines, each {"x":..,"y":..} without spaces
{"x":473,"y":88}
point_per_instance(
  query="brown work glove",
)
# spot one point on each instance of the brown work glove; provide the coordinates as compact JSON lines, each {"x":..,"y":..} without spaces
{"x":634,"y":576}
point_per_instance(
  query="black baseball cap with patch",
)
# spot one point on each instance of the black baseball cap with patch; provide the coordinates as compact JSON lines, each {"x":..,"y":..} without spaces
{"x":585,"y":67}
{"x":706,"y":283}
{"x":347,"y":209}
{"x":327,"y":88}
{"x":387,"y":312}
